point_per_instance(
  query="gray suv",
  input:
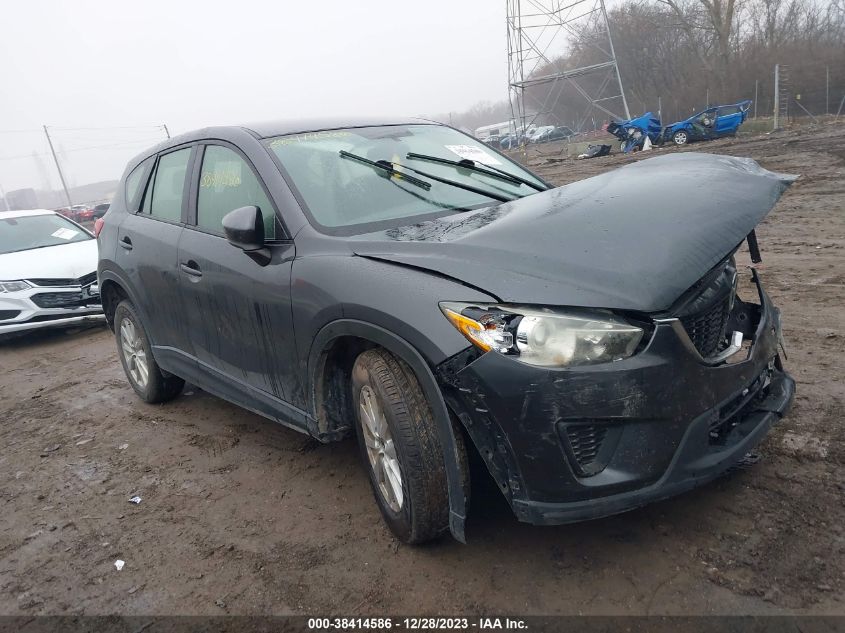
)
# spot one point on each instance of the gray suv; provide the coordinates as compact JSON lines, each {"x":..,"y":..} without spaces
{"x":408,"y":284}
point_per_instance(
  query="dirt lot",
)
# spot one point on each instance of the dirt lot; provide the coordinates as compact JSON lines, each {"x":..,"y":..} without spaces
{"x":240,"y":515}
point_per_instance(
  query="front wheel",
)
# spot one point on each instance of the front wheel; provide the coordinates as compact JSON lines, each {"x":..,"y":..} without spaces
{"x":147,"y":379}
{"x":401,"y":447}
{"x":680,"y":137}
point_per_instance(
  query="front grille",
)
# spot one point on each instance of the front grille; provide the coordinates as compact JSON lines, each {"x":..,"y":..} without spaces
{"x":585,"y":440}
{"x":58,"y":299}
{"x":707,"y":329}
{"x":5,"y":315}
{"x":59,"y":281}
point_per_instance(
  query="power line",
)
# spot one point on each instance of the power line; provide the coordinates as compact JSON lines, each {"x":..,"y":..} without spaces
{"x":117,"y":127}
{"x":137,"y":142}
{"x":30,"y":155}
{"x":85,"y":149}
{"x":85,"y":129}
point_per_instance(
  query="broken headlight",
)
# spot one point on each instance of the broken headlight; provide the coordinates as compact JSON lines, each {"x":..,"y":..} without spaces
{"x":544,"y":336}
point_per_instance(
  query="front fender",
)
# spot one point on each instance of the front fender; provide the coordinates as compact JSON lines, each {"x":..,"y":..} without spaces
{"x":404,"y":350}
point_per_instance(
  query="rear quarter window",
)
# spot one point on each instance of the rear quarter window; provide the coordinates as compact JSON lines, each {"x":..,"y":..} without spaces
{"x":133,"y":185}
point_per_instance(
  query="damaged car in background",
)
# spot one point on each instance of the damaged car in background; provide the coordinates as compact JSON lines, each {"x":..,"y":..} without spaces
{"x":48,"y":272}
{"x":402,"y":282}
{"x":710,"y":124}
{"x":634,"y":132}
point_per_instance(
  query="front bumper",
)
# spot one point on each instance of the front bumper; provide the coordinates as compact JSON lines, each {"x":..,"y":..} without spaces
{"x":566,"y":445}
{"x":48,"y":306}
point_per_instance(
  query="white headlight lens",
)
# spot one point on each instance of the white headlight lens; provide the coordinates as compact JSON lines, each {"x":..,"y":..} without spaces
{"x":556,"y":339}
{"x":13,"y":286}
{"x":546,"y":337}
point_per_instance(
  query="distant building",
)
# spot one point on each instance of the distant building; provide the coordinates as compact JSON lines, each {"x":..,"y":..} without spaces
{"x":22,"y":199}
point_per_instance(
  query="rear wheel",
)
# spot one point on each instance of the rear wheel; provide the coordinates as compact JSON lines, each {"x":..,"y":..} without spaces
{"x":681,"y":137}
{"x":147,"y":379}
{"x":401,"y":447}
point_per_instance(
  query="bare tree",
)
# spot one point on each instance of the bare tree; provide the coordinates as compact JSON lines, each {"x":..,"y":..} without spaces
{"x":683,"y":50}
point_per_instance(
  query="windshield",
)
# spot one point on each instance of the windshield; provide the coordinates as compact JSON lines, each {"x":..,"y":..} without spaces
{"x":37,"y":231}
{"x":346,"y":195}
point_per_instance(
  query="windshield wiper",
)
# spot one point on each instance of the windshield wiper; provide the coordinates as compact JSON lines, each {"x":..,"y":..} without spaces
{"x":481,"y":168}
{"x":388,"y":168}
{"x":459,"y":185}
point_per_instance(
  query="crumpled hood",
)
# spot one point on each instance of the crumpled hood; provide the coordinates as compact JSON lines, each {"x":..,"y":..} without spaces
{"x":633,"y":239}
{"x":64,"y":261}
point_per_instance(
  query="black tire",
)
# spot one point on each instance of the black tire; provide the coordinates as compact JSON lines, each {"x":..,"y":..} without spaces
{"x":424,"y":510}
{"x":681,"y":137}
{"x":160,"y":386}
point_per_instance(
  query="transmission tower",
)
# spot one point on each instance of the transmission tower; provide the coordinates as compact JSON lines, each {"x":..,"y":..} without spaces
{"x":539,"y":34}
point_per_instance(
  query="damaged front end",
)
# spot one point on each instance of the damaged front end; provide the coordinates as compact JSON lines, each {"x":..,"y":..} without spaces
{"x":621,"y":361}
{"x":577,"y":443}
{"x":634,"y":132}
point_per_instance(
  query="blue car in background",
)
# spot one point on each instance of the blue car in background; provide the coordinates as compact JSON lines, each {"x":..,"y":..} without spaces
{"x":715,"y":122}
{"x":634,"y":132}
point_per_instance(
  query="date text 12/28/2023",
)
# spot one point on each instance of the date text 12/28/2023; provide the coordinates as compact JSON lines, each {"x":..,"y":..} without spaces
{"x":415,"y":624}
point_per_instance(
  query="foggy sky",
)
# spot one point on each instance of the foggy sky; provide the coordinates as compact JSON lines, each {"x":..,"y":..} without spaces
{"x":189,"y":63}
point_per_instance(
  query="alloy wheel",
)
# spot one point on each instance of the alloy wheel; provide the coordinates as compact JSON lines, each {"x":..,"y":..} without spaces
{"x":132,"y":347}
{"x":381,"y":450}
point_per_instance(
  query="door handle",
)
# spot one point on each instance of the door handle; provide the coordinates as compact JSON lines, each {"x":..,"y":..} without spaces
{"x":191,"y":268}
{"x":126,"y":243}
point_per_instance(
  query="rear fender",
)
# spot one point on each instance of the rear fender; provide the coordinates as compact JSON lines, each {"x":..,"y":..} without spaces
{"x":109,"y":275}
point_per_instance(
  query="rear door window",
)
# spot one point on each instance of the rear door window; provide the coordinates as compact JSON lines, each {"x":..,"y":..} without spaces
{"x":168,"y":186}
{"x":227,"y":182}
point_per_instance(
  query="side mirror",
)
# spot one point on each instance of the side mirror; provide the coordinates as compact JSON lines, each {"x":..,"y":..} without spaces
{"x":244,"y":228}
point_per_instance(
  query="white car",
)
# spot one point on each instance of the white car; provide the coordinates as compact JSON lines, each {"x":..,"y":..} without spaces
{"x":48,"y":272}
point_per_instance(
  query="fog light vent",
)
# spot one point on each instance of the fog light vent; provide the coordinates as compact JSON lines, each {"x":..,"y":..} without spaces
{"x":589,"y":444}
{"x":585,"y":441}
{"x":8,"y":314}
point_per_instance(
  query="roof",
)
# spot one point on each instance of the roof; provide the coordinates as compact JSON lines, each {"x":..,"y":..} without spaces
{"x":281,"y":127}
{"x":24,"y":213}
{"x":294,"y":126}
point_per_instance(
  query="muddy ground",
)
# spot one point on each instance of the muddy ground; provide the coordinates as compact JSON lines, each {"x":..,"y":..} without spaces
{"x":240,"y":515}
